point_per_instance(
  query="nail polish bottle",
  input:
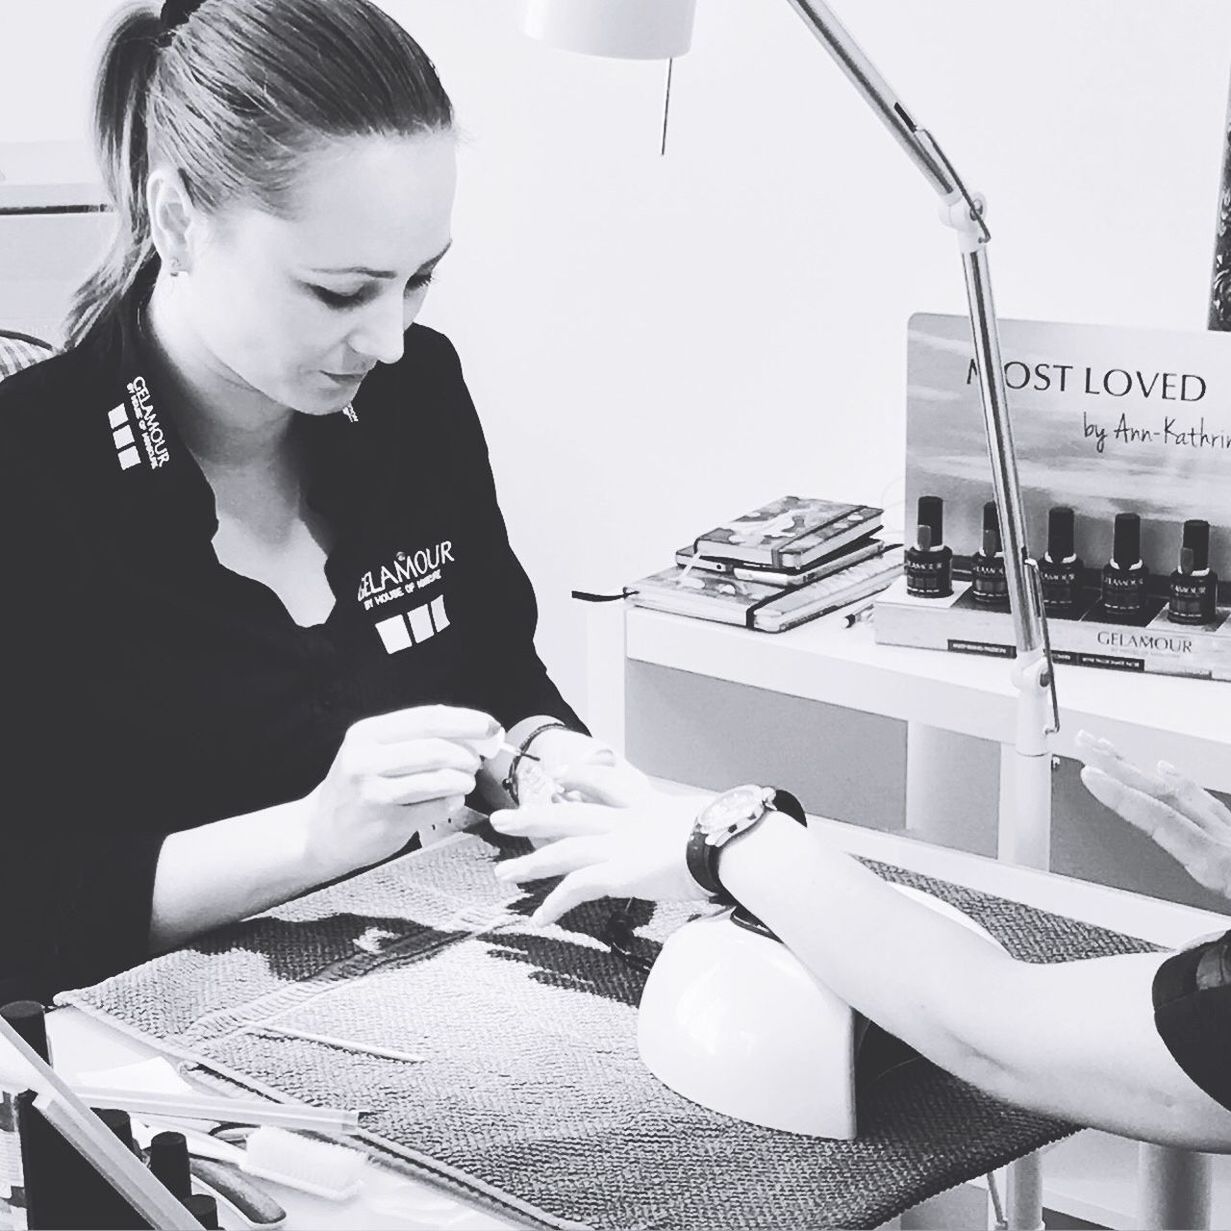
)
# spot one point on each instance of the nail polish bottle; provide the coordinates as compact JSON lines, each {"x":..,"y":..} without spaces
{"x":1060,"y":569}
{"x":989,"y":587}
{"x":170,"y":1165}
{"x":204,"y":1209}
{"x":929,"y":564}
{"x":1194,"y":585}
{"x":1124,"y":576}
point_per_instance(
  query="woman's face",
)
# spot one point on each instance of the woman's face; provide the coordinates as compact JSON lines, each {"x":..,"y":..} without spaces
{"x":301,"y":308}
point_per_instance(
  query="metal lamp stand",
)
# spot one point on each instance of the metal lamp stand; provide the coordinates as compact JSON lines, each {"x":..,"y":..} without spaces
{"x":1025,"y":833}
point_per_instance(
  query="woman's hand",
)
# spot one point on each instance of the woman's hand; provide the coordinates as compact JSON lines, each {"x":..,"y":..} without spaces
{"x":1187,"y":822}
{"x":604,"y":852}
{"x":393,"y":775}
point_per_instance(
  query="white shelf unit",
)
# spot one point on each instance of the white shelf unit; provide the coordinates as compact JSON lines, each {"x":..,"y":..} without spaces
{"x":1149,"y":717}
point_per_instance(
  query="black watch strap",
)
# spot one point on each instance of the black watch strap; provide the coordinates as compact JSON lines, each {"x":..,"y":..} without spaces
{"x":702,"y":857}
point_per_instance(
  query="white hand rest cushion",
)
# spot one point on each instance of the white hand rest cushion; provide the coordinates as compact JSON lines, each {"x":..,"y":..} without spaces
{"x":734,"y":1021}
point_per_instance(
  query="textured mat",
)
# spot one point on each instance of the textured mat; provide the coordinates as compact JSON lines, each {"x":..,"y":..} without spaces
{"x":531,"y":1096}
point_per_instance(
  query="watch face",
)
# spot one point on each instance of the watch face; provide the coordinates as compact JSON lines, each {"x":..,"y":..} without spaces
{"x":741,"y":803}
{"x":534,"y":785}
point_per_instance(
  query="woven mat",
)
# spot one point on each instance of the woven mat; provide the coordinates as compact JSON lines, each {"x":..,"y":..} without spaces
{"x":531,"y":1097}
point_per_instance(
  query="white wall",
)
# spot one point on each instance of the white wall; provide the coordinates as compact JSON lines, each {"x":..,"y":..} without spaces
{"x":657,"y":343}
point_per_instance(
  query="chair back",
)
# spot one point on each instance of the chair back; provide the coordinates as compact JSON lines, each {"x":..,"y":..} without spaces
{"x":20,"y":350}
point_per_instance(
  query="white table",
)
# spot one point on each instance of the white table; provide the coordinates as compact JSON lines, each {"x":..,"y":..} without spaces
{"x":938,"y":695}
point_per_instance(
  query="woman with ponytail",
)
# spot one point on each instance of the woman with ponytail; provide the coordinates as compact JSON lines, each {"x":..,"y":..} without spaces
{"x":267,"y":627}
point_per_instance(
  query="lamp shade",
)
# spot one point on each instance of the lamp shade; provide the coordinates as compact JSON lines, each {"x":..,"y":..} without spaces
{"x":625,"y":29}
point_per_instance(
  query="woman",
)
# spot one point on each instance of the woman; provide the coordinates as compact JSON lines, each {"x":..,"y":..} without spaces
{"x":1135,"y":1045}
{"x":264,"y":623}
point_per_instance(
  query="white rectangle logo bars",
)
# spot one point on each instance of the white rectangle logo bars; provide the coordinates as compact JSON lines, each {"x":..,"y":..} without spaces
{"x":403,"y":631}
{"x":125,"y":441}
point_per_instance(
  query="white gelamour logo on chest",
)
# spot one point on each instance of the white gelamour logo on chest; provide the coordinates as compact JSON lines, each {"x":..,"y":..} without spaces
{"x":410,"y":570}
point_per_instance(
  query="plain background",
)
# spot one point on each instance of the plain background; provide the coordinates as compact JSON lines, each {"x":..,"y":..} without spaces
{"x":658,"y":343}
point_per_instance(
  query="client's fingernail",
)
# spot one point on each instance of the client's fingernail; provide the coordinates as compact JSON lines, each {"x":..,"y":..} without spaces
{"x":1168,"y":770}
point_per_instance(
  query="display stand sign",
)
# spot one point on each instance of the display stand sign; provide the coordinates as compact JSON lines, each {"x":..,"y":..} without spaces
{"x":1106,"y":421}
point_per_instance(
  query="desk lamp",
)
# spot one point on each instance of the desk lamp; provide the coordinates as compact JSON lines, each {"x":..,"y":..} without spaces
{"x":659,"y":29}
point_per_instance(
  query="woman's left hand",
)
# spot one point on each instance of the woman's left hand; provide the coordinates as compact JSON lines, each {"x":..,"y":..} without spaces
{"x":604,"y":852}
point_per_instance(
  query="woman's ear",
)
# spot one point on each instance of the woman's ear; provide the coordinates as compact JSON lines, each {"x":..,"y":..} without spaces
{"x":174,"y":219}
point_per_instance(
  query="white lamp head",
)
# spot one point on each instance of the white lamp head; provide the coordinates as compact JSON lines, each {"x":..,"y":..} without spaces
{"x":734,"y":1021}
{"x":624,"y":29}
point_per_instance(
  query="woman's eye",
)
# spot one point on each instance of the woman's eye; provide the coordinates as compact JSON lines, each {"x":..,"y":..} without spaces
{"x":350,"y":299}
{"x":337,"y":299}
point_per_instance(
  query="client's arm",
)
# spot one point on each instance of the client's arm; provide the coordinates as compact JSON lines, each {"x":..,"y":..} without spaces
{"x":1075,"y":1040}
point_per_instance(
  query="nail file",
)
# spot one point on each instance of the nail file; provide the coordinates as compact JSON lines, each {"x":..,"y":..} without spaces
{"x":225,"y":1180}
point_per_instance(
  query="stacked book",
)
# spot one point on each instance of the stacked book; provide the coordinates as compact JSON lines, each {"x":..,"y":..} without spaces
{"x":771,"y":569}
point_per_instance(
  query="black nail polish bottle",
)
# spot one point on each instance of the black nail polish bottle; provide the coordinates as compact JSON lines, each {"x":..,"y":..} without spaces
{"x":1194,"y":585}
{"x":1060,"y":569}
{"x":929,"y":564}
{"x":170,"y":1165}
{"x":989,"y":588}
{"x":1124,"y":576}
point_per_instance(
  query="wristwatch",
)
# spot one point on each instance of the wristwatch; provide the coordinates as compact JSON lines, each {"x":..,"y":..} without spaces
{"x":733,"y":812}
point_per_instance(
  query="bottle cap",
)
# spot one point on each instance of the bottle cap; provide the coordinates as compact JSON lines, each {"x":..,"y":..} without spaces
{"x":932,"y":515}
{"x":169,"y":1163}
{"x":27,"y":1018}
{"x":1197,"y":540}
{"x":204,"y":1209}
{"x":1060,"y":536}
{"x":1127,"y":549}
{"x":991,"y":529}
{"x":119,"y":1123}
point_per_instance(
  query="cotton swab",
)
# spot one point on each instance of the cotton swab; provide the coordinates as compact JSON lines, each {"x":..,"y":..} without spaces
{"x":387,"y":1053}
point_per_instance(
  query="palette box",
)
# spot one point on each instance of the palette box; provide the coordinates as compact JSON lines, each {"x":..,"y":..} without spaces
{"x":1091,"y":638}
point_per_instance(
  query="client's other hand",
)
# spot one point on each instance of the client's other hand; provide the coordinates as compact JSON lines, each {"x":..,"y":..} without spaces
{"x":603,"y":851}
{"x":393,"y":775}
{"x":1186,"y":821}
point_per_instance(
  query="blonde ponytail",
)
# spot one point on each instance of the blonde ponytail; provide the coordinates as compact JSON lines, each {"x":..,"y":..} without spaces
{"x":121,"y":93}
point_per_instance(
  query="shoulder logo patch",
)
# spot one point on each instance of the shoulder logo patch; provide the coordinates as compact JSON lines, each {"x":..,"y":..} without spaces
{"x":138,"y":411}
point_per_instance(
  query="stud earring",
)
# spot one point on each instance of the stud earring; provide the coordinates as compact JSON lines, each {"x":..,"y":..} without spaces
{"x":174,"y":268}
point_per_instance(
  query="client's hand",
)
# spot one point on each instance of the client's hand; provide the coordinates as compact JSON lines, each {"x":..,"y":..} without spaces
{"x":1184,"y":820}
{"x":394,"y":774}
{"x":590,"y":770}
{"x":604,"y":852}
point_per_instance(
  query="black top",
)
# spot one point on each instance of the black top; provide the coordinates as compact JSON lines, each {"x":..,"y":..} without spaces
{"x":148,"y":689}
{"x":1192,"y":1010}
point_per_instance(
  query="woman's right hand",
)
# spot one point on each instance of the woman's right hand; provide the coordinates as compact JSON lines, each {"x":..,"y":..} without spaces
{"x":393,"y":775}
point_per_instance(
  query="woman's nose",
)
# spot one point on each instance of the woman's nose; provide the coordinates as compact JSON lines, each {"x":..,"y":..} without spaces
{"x":380,"y":335}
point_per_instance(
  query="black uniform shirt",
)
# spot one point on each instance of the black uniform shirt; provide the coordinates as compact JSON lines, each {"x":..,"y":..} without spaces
{"x":148,"y":689}
{"x":1192,"y":1010}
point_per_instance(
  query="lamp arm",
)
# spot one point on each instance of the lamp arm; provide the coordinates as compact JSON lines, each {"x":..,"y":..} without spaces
{"x":876,"y":92}
{"x":965,"y":214}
